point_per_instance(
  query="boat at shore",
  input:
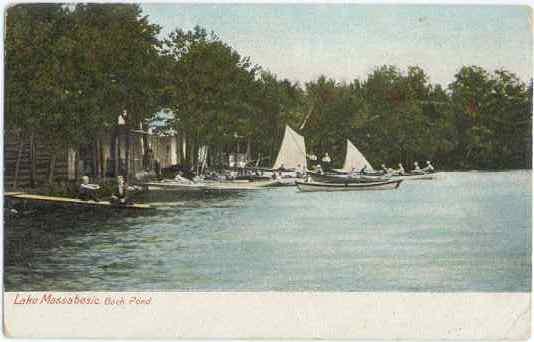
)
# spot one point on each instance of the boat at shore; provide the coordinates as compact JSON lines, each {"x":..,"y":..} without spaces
{"x":356,"y":161}
{"x":356,"y":169}
{"x":76,"y":202}
{"x":291,"y":161}
{"x":317,"y":186}
{"x":208,"y":185}
{"x":417,"y":176}
{"x":292,"y":153}
{"x":342,"y":179}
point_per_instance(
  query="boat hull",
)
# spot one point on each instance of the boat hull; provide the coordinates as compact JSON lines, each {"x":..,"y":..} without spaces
{"x":424,"y":176}
{"x":291,"y":181}
{"x":316,"y":186}
{"x":342,"y":179}
{"x":208,"y":186}
{"x":65,"y":201}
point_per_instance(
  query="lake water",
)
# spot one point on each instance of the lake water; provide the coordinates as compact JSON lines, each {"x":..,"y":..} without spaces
{"x":466,"y":231}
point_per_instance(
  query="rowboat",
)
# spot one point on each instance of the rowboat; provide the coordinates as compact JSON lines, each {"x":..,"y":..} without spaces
{"x":285,"y":181}
{"x":417,"y":176}
{"x":251,"y":178}
{"x":206,"y":186}
{"x":341,"y":179}
{"x":317,"y":186}
{"x":64,"y":201}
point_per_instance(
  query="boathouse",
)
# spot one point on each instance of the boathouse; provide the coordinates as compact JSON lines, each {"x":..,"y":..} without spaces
{"x":28,"y":160}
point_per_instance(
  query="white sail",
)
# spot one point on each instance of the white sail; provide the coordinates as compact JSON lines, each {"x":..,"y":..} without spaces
{"x":354,"y":159}
{"x":292,"y":152}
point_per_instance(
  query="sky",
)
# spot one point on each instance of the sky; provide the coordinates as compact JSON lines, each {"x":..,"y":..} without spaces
{"x":347,"y":41}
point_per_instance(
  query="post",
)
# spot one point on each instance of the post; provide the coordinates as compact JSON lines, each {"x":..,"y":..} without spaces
{"x":94,"y":157}
{"x":249,"y":152}
{"x":102,"y":169}
{"x":127,"y":152}
{"x":179,"y":147}
{"x":77,"y":163}
{"x":116,"y":153}
{"x":51,"y":166}
{"x":33,"y":161}
{"x":19,"y":157}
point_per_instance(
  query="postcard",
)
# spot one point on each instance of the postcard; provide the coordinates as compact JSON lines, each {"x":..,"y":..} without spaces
{"x":267,"y":170}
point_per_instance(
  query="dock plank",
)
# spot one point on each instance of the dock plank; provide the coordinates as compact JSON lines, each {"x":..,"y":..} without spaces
{"x":75,"y":201}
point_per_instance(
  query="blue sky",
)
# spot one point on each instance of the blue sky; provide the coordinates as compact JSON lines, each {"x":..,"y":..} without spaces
{"x":347,"y":41}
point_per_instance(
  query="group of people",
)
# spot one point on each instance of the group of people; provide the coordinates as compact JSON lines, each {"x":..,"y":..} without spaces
{"x":416,"y":169}
{"x":300,"y":171}
{"x":88,"y":191}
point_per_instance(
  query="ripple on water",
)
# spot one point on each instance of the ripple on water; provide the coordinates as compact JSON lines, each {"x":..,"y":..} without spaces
{"x":461,"y":232}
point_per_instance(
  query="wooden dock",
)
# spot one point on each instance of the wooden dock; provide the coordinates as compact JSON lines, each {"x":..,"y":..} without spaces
{"x":74,"y":201}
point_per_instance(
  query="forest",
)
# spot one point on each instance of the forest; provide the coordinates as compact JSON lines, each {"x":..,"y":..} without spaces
{"x":70,"y":70}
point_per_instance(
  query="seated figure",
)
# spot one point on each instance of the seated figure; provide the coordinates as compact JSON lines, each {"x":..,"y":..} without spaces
{"x":428,"y":168}
{"x":181,"y":179}
{"x":87,"y":191}
{"x":400,"y":171}
{"x":417,"y":169}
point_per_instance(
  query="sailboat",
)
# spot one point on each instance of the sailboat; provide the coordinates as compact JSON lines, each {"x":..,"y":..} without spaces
{"x":291,"y":158}
{"x":355,"y":160}
{"x":351,"y":172}
{"x":292,"y":153}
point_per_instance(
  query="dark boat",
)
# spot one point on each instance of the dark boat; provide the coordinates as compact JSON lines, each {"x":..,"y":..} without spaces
{"x":342,"y":179}
{"x":317,"y":186}
{"x":252,"y":178}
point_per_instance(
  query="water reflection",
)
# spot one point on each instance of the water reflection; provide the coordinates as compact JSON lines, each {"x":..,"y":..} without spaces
{"x":465,"y":232}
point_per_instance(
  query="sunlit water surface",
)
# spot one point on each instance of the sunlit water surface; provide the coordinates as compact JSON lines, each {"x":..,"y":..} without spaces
{"x":462,"y":232}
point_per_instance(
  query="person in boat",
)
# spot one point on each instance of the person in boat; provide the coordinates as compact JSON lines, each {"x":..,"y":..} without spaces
{"x":400,"y":171}
{"x":363,"y":170}
{"x":319,"y":169}
{"x":417,"y":169}
{"x":120,"y":196}
{"x":87,"y":191}
{"x":355,"y":173}
{"x":277,"y":175}
{"x":181,"y":179}
{"x":428,"y":168}
{"x":300,"y":171}
{"x":326,"y":160}
{"x":386,"y":170}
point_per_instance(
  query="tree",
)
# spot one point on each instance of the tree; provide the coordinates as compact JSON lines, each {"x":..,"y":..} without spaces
{"x":72,"y":70}
{"x":209,"y":92}
{"x":492,"y":117}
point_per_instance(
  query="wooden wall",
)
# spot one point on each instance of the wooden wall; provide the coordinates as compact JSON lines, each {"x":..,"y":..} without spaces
{"x":164,"y":148}
{"x":15,"y":146}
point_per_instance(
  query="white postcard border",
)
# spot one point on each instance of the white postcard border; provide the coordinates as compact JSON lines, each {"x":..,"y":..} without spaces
{"x":270,"y":315}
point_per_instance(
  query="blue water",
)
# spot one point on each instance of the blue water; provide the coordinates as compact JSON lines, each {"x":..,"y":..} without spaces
{"x":462,"y":232}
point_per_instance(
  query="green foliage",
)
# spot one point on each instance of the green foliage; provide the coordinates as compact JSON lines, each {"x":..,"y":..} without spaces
{"x":493,"y":119}
{"x":483,"y":121}
{"x":207,"y":89}
{"x":70,"y":70}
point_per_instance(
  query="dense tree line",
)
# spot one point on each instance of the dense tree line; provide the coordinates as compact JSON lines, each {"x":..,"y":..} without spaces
{"x":70,"y":70}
